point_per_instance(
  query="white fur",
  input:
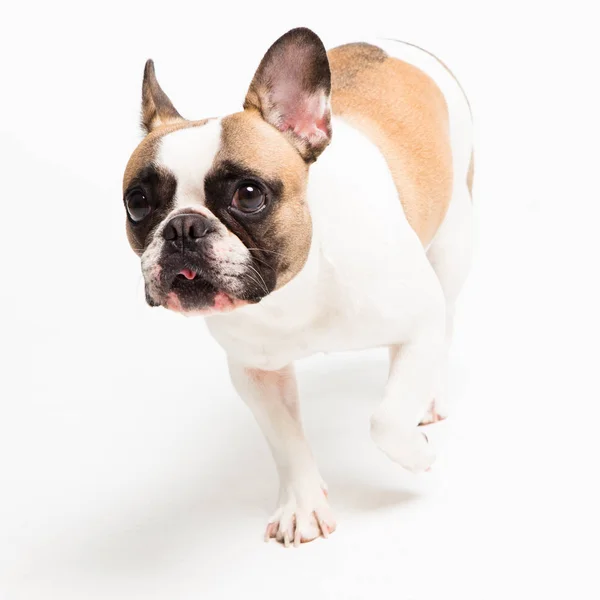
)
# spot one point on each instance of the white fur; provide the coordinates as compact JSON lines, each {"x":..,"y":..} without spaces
{"x":358,"y":287}
{"x":303,"y":511}
{"x":188,"y":154}
{"x":367,"y":282}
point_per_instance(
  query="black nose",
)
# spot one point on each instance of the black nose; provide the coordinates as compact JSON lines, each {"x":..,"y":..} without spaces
{"x":186,"y":228}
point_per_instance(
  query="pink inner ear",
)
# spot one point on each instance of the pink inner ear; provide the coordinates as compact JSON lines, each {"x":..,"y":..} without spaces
{"x":307,"y":117}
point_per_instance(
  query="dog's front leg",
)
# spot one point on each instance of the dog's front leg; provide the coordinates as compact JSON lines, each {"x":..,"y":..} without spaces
{"x":394,"y":425}
{"x":303,"y":512}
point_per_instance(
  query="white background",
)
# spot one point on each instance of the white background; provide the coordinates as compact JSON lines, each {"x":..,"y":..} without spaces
{"x":128,"y":467}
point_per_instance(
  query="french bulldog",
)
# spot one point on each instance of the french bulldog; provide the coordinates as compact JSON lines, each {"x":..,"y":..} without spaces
{"x":332,"y":213}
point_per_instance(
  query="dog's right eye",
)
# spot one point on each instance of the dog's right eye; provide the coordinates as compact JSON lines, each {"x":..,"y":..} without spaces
{"x":138,"y":206}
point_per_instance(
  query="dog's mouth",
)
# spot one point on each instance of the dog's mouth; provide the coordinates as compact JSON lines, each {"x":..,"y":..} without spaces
{"x":188,"y":290}
{"x":191,"y":291}
{"x":194,"y":287}
{"x":191,"y":284}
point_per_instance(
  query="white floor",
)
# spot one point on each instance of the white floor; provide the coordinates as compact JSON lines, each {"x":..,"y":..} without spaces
{"x":129,"y":469}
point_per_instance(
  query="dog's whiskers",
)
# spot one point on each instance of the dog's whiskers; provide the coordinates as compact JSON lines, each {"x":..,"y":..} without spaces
{"x":262,"y":262}
{"x":263,"y":284}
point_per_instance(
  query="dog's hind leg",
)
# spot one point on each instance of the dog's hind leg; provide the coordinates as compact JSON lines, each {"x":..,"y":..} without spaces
{"x":413,"y":365}
{"x":450,"y":257}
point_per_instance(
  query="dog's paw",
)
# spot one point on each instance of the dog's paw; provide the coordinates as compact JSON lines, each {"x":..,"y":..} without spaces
{"x":409,"y":448}
{"x":303,"y":515}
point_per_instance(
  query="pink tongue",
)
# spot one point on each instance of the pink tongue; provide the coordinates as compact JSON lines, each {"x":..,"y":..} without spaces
{"x":187,"y":273}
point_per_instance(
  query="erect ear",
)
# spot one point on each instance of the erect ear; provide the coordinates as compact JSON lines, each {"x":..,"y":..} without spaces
{"x":157,"y":109}
{"x":291,"y":90}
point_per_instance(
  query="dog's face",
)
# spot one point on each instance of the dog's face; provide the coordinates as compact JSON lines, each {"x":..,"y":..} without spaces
{"x":216,"y":209}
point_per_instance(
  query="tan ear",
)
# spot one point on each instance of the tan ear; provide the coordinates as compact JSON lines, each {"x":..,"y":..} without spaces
{"x":157,"y":109}
{"x":291,"y":90}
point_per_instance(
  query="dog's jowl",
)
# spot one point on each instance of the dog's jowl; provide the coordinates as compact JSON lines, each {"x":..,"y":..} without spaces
{"x":332,"y":213}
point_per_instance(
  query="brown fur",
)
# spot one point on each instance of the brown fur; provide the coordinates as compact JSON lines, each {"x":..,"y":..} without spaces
{"x":249,"y":141}
{"x":403,"y":111}
{"x":471,"y":170}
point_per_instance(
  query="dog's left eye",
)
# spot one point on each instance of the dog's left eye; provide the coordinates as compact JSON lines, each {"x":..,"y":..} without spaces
{"x":248,"y":198}
{"x":138,"y":206}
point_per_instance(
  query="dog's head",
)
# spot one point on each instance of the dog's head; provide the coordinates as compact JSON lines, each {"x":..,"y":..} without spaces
{"x":216,"y":209}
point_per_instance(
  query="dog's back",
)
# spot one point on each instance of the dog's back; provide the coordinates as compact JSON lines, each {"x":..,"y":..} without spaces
{"x":406,"y":114}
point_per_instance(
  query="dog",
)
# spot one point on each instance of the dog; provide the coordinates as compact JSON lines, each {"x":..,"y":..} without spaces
{"x":332,"y":213}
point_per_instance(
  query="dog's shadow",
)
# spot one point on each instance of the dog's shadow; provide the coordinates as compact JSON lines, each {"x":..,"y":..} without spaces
{"x":241,"y":486}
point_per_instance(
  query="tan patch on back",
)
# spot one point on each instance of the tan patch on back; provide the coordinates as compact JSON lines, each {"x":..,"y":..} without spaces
{"x":249,"y":141}
{"x":404,"y":113}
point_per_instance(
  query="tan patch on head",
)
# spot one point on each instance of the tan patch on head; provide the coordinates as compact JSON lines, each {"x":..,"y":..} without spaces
{"x":248,"y":141}
{"x":404,"y":113}
{"x":145,"y":153}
